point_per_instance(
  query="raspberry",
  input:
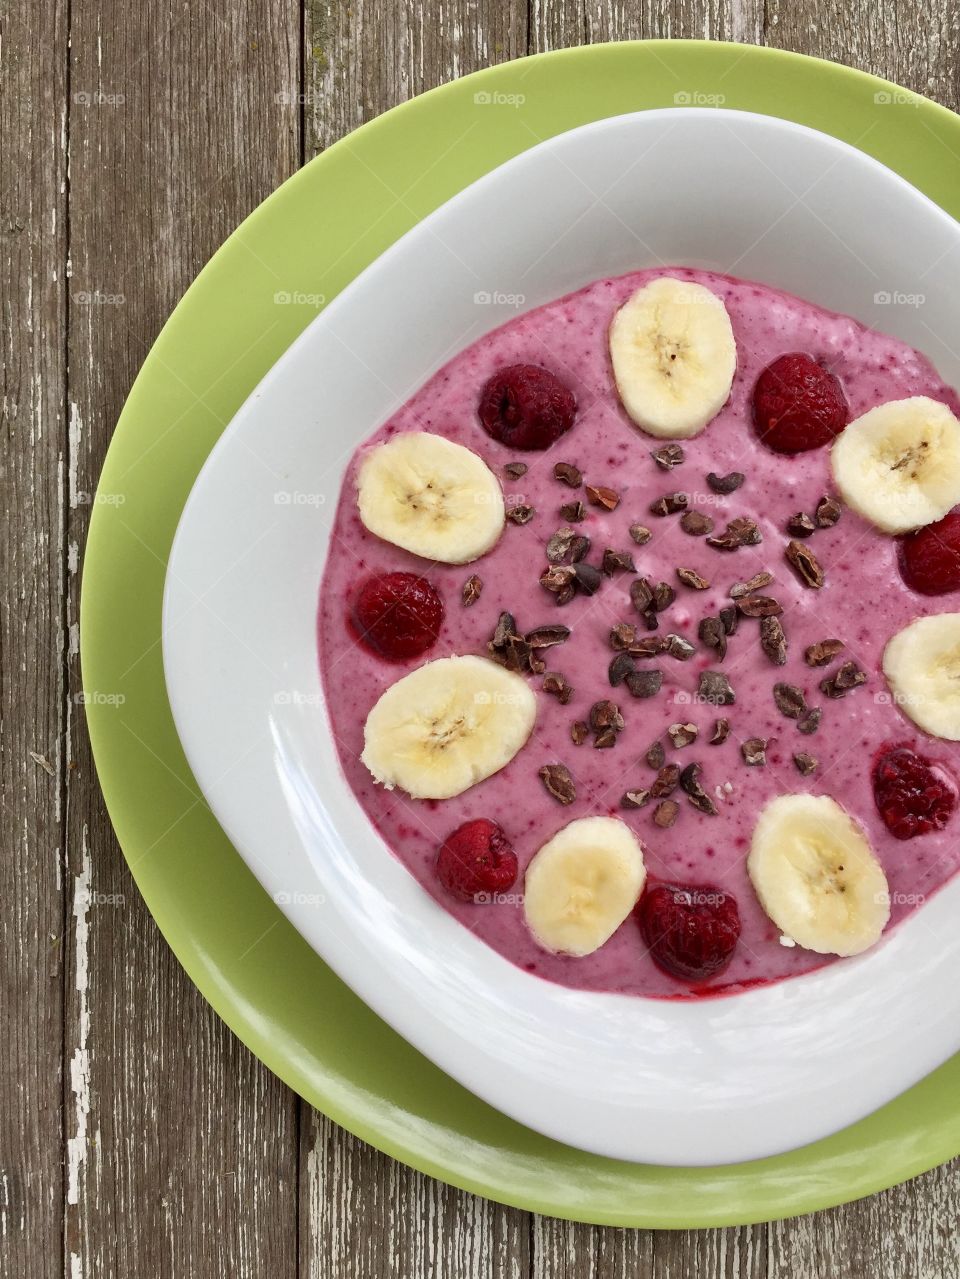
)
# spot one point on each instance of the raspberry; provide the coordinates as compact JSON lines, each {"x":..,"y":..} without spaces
{"x":930,"y":558}
{"x":398,"y":615}
{"x":691,"y":931}
{"x":526,"y":407}
{"x":798,"y":405}
{"x":914,"y":795}
{"x":476,"y":861}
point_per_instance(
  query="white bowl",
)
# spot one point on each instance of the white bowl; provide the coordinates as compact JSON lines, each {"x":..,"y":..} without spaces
{"x":676,"y":1083}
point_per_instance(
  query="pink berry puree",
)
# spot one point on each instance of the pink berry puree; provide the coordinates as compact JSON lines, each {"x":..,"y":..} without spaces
{"x":863,"y":602}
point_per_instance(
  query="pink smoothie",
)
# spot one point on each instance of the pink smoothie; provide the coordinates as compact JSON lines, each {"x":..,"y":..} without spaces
{"x":863,"y":603}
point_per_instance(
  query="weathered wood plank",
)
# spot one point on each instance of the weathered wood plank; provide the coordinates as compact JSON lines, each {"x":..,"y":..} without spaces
{"x":363,"y":58}
{"x":364,"y":1214}
{"x":32,"y":291}
{"x":183,"y":1148}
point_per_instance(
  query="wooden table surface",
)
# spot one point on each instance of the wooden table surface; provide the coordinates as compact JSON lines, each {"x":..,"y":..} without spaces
{"x":137,"y":1136}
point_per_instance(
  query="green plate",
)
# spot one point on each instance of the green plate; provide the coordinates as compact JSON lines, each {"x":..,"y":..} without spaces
{"x":302,"y":245}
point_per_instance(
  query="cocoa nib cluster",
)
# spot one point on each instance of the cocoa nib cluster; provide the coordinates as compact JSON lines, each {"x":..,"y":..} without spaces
{"x":522,"y":653}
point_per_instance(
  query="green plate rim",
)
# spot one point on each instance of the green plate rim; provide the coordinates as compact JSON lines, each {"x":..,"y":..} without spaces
{"x":410,"y":1110}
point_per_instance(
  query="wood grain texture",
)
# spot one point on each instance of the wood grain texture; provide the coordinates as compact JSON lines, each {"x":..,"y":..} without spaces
{"x":137,"y":1137}
{"x":32,"y":289}
{"x":182,"y":1149}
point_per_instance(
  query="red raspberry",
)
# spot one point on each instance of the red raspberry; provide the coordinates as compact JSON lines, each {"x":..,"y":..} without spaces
{"x":914,"y":795}
{"x":798,"y":405}
{"x":476,"y":861}
{"x":691,"y":931}
{"x":526,"y":407}
{"x":930,"y":558}
{"x":398,"y":615}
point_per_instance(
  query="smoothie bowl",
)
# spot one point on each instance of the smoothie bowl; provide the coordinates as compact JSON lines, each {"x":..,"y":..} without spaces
{"x":630,"y":680}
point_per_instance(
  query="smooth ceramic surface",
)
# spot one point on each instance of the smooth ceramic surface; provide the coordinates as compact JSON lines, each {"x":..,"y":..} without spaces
{"x":276,"y":994}
{"x":711,"y":1082}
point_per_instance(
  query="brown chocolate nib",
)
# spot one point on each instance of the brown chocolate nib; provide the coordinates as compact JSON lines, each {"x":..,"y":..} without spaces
{"x":696,"y":524}
{"x":753,"y":751}
{"x":759,"y":606}
{"x":579,"y":732}
{"x":669,"y":456}
{"x":739,"y":532}
{"x":566,"y":473}
{"x":689,"y":577}
{"x":640,"y":534}
{"x":521,"y":514}
{"x":756,"y":583}
{"x":634,"y":798}
{"x":557,"y":779}
{"x":805,"y":564}
{"x":721,"y":731}
{"x":690,"y":785}
{"x":725,"y":483}
{"x":714,"y":687}
{"x":809,"y":722}
{"x":598,"y":495}
{"x":558,"y":686}
{"x":617,"y":562}
{"x":682,"y":734}
{"x":800,"y":525}
{"x":844,"y":678}
{"x":823,"y":652}
{"x":773,"y":641}
{"x":713,"y":634}
{"x":790,"y":700}
{"x":669,"y":504}
{"x":828,"y":512}
{"x":805,"y":763}
{"x":622,"y":635}
{"x":573,"y":512}
{"x":644,"y":683}
{"x":515,"y":469}
{"x":656,"y":755}
{"x":665,"y":814}
{"x":471,"y":590}
{"x":665,"y":782}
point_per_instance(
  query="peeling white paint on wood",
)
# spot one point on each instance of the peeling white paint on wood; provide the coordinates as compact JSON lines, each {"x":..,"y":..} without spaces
{"x":202,"y":1165}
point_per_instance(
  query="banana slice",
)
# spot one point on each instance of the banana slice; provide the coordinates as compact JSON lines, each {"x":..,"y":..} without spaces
{"x":817,"y":876}
{"x":899,"y":465}
{"x":673,"y":356}
{"x":432,"y":497}
{"x":448,"y":725}
{"x":922,"y":666}
{"x":582,"y":884}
